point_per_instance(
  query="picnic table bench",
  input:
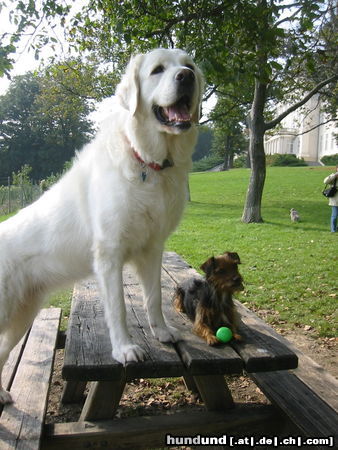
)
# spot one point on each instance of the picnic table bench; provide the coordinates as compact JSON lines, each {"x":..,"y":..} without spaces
{"x":27,"y":375}
{"x":262,"y":353}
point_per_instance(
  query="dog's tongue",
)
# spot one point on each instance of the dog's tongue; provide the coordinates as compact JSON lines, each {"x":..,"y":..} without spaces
{"x":178,"y":112}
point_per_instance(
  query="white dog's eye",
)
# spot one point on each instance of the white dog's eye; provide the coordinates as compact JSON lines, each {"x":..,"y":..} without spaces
{"x":190,"y":67}
{"x":158,"y":69}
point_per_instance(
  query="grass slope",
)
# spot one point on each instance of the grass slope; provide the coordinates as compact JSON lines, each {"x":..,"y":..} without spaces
{"x":290,"y":269}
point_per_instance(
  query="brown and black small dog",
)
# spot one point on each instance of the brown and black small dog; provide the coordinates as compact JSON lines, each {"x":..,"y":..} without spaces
{"x":208,"y":301}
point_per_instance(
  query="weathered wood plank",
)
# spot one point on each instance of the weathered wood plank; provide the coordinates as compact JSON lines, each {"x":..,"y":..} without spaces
{"x":261,"y":349}
{"x":214,"y":392}
{"x":307,"y":395}
{"x":88,"y":352}
{"x":301,"y":405}
{"x":12,"y":363}
{"x":162,"y":359}
{"x":322,"y":383}
{"x":21,"y":422}
{"x":73,"y":391}
{"x":150,"y":432}
{"x":178,"y":269}
{"x":103,"y":399}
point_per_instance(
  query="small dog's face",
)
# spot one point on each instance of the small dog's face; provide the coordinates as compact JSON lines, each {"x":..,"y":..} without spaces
{"x":222,"y":272}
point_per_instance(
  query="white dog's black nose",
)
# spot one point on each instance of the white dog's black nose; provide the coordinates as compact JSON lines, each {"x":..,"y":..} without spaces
{"x":185,"y":77}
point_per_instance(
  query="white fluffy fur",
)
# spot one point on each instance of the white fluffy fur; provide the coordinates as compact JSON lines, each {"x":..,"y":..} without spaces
{"x":101,"y":214}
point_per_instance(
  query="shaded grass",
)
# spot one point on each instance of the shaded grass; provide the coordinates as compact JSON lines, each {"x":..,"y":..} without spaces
{"x":62,"y":299}
{"x":6,"y":216}
{"x":289,"y":269}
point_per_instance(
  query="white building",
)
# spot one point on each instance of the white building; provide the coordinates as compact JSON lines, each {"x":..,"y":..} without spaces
{"x":293,"y":135}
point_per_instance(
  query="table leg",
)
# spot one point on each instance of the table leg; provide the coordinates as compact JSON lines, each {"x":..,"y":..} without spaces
{"x":190,"y":383}
{"x":73,"y":391}
{"x":214,"y":392}
{"x":103,"y":399}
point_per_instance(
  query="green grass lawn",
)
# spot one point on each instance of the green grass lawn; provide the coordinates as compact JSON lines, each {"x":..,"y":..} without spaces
{"x":290,"y":270}
{"x":6,"y":216}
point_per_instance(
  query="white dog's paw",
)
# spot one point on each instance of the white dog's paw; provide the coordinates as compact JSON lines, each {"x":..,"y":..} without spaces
{"x":128,"y":353}
{"x":5,"y":397}
{"x":166,"y":334}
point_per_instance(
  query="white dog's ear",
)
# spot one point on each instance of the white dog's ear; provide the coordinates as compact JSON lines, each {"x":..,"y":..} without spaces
{"x":128,"y":89}
{"x":196,"y":115}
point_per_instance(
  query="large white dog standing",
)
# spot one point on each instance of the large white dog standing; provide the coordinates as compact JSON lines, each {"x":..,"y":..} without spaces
{"x":122,"y":198}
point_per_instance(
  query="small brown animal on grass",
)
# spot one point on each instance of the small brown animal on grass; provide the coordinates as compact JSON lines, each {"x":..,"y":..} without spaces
{"x":294,"y":215}
{"x":208,"y":301}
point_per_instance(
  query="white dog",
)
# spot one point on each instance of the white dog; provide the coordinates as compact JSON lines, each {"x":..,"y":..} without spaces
{"x":122,"y":198}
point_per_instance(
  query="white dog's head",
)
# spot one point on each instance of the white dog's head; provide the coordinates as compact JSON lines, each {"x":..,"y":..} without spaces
{"x":165,"y":86}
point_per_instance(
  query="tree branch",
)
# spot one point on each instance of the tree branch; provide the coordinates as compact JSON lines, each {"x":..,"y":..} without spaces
{"x":289,"y":18}
{"x":170,"y":22}
{"x":211,"y":92}
{"x":216,"y":116}
{"x":317,"y":126}
{"x":272,"y":123}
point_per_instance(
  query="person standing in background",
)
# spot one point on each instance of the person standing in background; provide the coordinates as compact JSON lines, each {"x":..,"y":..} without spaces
{"x":333,"y":201}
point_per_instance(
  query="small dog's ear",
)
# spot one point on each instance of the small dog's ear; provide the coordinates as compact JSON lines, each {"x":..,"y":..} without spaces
{"x":233,"y":257}
{"x":209,"y":265}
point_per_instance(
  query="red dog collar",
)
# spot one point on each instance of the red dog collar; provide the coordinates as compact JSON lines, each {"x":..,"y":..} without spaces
{"x":153,"y":165}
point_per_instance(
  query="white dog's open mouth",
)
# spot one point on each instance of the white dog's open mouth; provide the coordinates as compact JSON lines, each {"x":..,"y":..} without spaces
{"x":176,"y":115}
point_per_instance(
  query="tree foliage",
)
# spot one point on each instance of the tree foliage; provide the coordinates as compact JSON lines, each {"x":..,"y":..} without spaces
{"x":41,"y":122}
{"x":230,"y":137}
{"x":203,"y":145}
{"x":330,"y":160}
{"x":32,"y":20}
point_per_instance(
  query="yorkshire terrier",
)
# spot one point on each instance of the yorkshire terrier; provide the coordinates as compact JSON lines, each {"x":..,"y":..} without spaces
{"x":208,"y":301}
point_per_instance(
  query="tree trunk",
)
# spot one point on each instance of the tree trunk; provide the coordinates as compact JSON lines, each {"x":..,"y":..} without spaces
{"x":226,"y":155}
{"x":252,"y":208}
{"x":231,"y":160}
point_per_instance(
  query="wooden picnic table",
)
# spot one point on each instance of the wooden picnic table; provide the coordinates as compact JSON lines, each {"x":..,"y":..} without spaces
{"x":304,"y":400}
{"x":88,"y":350}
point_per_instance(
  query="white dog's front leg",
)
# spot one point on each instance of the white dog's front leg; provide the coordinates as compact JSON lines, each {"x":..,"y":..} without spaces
{"x":109,"y":275}
{"x":149,"y":270}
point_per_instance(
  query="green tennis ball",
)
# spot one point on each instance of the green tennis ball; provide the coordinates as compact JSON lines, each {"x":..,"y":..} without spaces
{"x":224,"y":334}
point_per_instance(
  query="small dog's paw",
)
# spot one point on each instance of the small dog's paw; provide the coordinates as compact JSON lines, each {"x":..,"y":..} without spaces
{"x":129,"y":353}
{"x":166,"y":334}
{"x":212,"y":340}
{"x":5,"y":397}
